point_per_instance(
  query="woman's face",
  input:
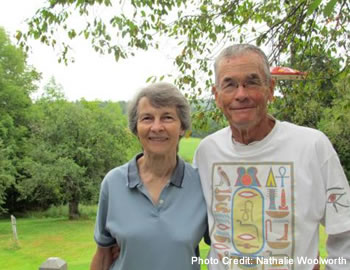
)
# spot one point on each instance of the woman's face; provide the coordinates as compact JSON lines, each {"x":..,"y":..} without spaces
{"x":158,"y":129}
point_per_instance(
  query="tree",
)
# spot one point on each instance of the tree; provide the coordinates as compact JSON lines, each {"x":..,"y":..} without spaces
{"x":73,"y":145}
{"x":17,"y":81}
{"x":335,"y":123}
{"x":303,"y":102}
{"x":198,"y":29}
{"x":6,"y":174}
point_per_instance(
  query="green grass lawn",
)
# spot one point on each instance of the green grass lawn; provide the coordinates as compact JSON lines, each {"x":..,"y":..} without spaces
{"x":49,"y":234}
{"x":42,"y":238}
{"x":187,"y":148}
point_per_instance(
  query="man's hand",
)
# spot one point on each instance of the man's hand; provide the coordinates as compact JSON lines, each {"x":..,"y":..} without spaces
{"x":104,"y":257}
{"x":115,"y":252}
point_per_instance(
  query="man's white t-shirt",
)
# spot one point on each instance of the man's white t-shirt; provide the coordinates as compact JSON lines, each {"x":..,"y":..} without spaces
{"x":266,"y":199}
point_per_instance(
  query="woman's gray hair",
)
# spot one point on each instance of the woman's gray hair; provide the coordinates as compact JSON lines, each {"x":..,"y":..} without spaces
{"x":160,"y":95}
{"x":239,"y":50}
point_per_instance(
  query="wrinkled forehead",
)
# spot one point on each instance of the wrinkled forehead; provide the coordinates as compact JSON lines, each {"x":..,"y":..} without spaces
{"x":147,"y":105}
{"x":240,"y":67}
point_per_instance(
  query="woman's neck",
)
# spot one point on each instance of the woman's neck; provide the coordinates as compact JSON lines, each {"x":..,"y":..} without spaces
{"x":158,"y":166}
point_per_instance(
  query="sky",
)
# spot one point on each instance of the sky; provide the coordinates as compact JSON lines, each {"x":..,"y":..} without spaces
{"x":91,"y":76}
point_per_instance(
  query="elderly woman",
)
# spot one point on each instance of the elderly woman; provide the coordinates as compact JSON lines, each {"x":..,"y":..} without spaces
{"x":152,"y":207}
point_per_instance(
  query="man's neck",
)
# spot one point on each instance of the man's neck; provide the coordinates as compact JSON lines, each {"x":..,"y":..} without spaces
{"x":255,"y":133}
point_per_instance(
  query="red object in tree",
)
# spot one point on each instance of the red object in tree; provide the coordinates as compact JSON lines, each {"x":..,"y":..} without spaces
{"x":286,"y":73}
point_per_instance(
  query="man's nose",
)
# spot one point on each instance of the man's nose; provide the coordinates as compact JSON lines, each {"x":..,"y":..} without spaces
{"x":241,"y":92}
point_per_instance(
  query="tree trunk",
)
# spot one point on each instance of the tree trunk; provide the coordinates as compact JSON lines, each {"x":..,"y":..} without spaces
{"x":73,"y":209}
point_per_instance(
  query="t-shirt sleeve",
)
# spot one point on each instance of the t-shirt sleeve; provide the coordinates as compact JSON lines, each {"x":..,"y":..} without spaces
{"x":102,"y":235}
{"x":194,"y":162}
{"x":338,"y":247}
{"x":337,"y":209}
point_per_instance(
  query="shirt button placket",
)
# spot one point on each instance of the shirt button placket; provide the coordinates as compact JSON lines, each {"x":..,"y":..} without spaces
{"x":160,"y":204}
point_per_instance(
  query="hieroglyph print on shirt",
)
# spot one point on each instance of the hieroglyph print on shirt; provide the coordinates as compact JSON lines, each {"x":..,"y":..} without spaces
{"x":337,"y":197}
{"x":253,"y":208}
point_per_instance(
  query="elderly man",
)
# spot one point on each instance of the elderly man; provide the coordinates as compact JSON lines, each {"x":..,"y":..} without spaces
{"x":268,"y":184}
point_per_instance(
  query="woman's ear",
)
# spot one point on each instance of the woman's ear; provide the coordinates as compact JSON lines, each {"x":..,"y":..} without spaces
{"x":182,"y":133}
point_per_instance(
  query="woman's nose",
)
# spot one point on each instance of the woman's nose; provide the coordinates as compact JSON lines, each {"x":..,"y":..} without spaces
{"x":157,"y":125}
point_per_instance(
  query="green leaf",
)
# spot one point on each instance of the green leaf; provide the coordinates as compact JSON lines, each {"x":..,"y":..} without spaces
{"x":72,"y":34}
{"x":18,"y":35}
{"x":329,"y":8}
{"x":86,"y":34}
{"x":212,"y":36}
{"x":149,"y":79}
{"x":313,"y":6}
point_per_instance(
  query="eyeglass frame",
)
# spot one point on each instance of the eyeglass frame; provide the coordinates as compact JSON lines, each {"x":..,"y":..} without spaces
{"x":251,"y":82}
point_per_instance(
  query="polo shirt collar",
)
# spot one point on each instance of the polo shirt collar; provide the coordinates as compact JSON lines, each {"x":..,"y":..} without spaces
{"x":176,"y":178}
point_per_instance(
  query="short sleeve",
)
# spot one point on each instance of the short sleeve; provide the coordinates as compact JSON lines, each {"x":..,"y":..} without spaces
{"x":194,"y":161}
{"x":337,"y":209}
{"x":102,"y":236}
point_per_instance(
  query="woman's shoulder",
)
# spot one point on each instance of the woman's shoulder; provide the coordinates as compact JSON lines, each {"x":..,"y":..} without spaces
{"x":117,"y":173}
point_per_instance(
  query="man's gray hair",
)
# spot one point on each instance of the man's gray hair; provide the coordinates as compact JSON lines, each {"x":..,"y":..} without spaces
{"x":160,"y":95}
{"x":239,"y":50}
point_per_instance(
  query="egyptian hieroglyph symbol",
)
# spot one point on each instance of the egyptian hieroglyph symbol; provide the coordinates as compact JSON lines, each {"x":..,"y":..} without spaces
{"x":224,"y":179}
{"x":272,"y":191}
{"x":279,"y":243}
{"x":336,"y":198}
{"x":247,"y":213}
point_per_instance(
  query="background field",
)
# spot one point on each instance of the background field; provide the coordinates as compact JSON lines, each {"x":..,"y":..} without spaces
{"x":51,"y":234}
{"x":187,"y":148}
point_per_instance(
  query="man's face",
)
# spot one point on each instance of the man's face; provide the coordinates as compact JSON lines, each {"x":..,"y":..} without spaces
{"x":242,"y":92}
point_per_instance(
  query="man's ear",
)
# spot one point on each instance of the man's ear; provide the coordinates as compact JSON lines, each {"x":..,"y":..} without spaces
{"x":271,"y":90}
{"x":214,"y":91}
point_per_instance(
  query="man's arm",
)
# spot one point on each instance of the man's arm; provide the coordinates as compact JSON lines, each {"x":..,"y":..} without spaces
{"x":104,"y":258}
{"x":338,"y":247}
